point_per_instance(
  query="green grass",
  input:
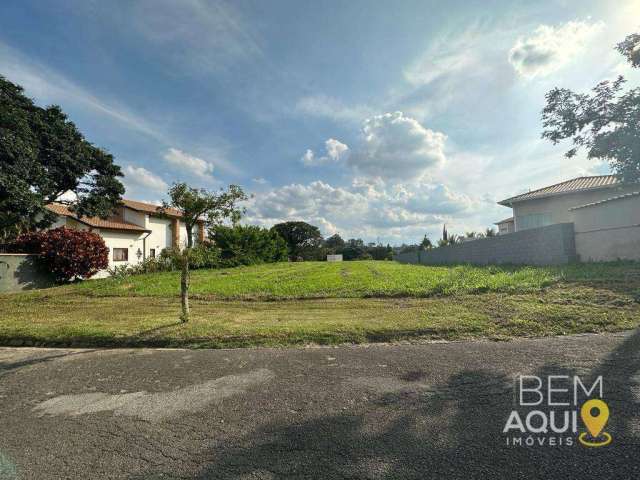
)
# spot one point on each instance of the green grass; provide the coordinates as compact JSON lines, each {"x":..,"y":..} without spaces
{"x":321,"y":303}
{"x":328,"y":280}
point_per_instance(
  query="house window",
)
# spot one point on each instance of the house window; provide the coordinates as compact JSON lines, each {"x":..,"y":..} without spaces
{"x":534,"y":220}
{"x":152,"y":252}
{"x":120,"y":254}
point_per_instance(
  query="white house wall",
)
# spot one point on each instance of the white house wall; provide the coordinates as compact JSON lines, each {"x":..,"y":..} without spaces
{"x":608,"y":231}
{"x":160,"y":236}
{"x":132,"y":241}
{"x":558,"y":206}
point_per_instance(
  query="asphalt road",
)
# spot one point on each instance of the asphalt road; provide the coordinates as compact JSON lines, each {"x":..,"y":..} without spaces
{"x":378,"y":412}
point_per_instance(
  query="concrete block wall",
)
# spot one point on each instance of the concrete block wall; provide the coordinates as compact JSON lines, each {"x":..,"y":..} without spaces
{"x":551,"y":245}
{"x":20,"y":272}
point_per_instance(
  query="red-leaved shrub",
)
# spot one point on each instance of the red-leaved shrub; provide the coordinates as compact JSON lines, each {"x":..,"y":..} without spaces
{"x":65,"y":252}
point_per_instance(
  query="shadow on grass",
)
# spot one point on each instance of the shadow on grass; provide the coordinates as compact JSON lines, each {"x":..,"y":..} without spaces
{"x":159,"y":329}
{"x":454,"y":430}
{"x":619,"y":278}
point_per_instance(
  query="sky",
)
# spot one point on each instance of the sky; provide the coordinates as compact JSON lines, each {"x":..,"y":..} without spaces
{"x":372,"y":119}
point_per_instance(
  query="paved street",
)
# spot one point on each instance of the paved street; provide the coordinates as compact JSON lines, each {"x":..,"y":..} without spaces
{"x":378,"y":412}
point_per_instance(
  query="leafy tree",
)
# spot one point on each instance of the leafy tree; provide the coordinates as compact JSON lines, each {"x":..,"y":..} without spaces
{"x":248,"y":245}
{"x":606,"y":122}
{"x":630,"y":48}
{"x":426,"y":243}
{"x":490,"y":232}
{"x":42,"y":156}
{"x":65,"y":252}
{"x":334,"y":243}
{"x":303,"y":240}
{"x":197,"y":205}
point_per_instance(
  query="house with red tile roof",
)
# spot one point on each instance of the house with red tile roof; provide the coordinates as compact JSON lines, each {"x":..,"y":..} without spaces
{"x":136,"y":231}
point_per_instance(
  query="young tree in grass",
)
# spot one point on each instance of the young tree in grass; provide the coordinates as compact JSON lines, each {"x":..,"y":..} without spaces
{"x":197,"y":205}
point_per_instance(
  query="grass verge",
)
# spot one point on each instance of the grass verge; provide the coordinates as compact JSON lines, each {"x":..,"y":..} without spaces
{"x":67,"y":318}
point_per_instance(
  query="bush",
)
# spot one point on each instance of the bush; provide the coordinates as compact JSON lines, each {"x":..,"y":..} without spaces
{"x":148,"y":265}
{"x":201,"y":256}
{"x":204,"y":256}
{"x":67,"y":253}
{"x":248,"y":245}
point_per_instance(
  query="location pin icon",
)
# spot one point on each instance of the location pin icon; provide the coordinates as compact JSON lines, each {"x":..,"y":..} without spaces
{"x":595,"y":414}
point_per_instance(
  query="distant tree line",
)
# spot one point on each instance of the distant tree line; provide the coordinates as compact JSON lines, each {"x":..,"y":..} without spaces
{"x":305,"y":243}
{"x":447,"y":239}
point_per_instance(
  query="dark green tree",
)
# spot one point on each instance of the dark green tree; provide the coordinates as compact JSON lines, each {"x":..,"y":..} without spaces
{"x":196,"y":205}
{"x":42,"y":156}
{"x":426,"y":243}
{"x":248,"y":245}
{"x":606,"y":122}
{"x":303,"y":240}
{"x":334,"y":243}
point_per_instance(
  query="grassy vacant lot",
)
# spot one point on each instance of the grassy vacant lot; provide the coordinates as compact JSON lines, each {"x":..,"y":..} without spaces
{"x":328,"y":303}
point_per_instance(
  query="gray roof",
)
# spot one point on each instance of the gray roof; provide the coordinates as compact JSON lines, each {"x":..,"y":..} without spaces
{"x":579,"y":184}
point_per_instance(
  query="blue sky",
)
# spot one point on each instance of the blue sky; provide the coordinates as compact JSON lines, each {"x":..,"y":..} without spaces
{"x":378,"y":120}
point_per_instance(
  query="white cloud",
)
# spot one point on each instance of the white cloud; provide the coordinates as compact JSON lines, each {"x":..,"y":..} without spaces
{"x":309,"y":158}
{"x":324,"y":106}
{"x":138,"y":179}
{"x":335,"y":152}
{"x":194,"y":166}
{"x":394,"y":146}
{"x":367,"y":209}
{"x":549,"y":48}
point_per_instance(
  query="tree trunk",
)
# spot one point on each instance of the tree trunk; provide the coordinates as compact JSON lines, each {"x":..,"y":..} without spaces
{"x":189,"y":235}
{"x":184,"y":286}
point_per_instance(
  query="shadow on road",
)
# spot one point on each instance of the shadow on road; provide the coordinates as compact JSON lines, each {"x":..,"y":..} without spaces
{"x":452,"y":430}
{"x":37,"y":358}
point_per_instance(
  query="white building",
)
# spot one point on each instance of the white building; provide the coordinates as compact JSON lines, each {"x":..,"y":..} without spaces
{"x":135,"y":232}
{"x":605,"y":214}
